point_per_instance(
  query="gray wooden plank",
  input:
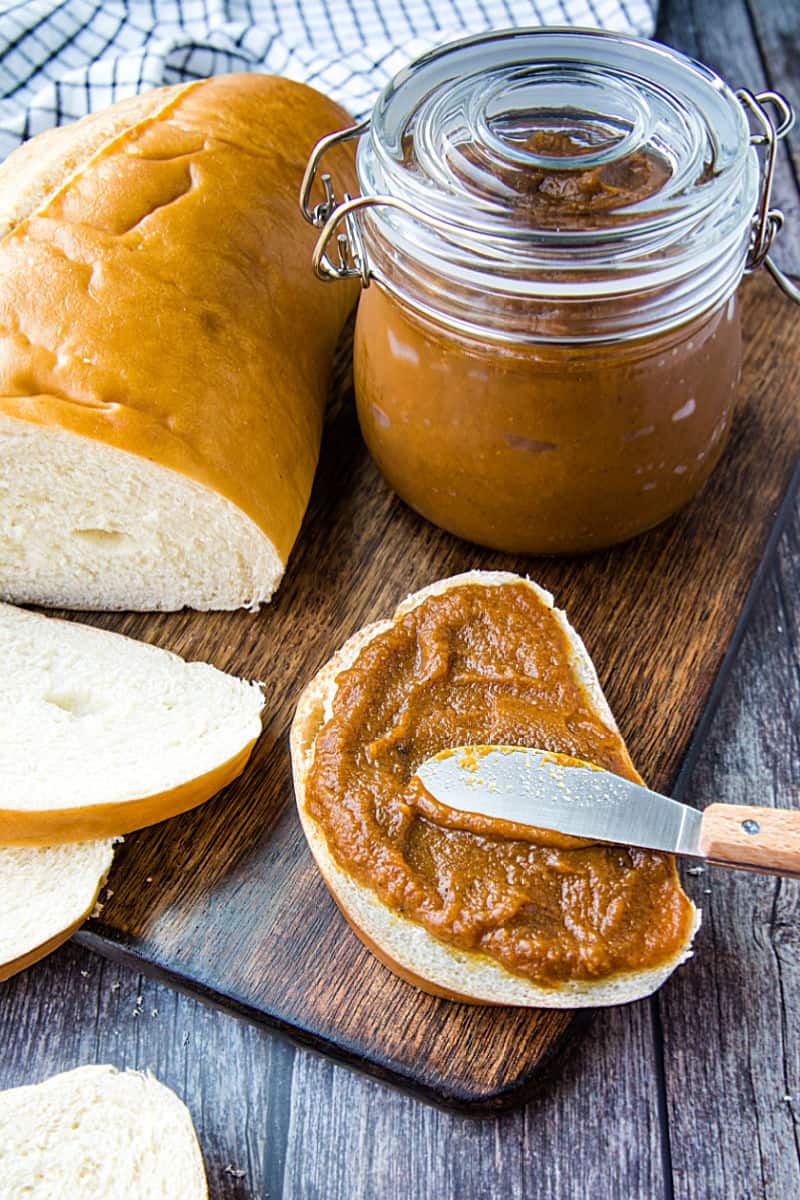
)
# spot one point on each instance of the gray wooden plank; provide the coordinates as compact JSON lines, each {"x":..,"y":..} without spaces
{"x":731,"y":1021}
{"x":78,"y":1008}
{"x":593,"y":1131}
{"x":777,"y":33}
{"x":722,"y":35}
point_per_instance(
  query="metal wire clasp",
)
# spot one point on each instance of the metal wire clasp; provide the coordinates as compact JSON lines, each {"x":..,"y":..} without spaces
{"x":319,"y":214}
{"x":767,"y":221}
{"x":328,"y":213}
{"x":352,"y":257}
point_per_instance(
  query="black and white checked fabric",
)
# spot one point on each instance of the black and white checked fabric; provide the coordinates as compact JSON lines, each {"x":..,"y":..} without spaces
{"x":60,"y":59}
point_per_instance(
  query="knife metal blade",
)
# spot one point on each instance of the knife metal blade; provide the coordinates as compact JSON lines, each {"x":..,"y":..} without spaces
{"x":551,"y":791}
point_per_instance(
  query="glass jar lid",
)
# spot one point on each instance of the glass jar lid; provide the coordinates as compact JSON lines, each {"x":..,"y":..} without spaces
{"x":564,"y":135}
{"x":557,"y":183}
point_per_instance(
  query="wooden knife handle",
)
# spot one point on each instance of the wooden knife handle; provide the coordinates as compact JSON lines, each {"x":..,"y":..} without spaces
{"x":759,"y":839}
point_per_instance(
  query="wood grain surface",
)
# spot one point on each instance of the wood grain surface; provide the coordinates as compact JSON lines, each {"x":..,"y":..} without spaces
{"x":750,"y":835}
{"x":694,"y":1095}
{"x":227,"y":901}
{"x":729,"y":1031}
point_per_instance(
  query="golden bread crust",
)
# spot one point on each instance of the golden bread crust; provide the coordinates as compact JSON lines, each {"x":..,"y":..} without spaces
{"x":157,"y":290}
{"x":50,"y":827}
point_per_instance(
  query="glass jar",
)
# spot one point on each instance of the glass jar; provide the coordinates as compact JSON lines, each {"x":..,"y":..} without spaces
{"x":553,"y":225}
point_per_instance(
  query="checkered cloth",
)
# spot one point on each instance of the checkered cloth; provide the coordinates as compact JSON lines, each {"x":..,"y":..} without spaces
{"x":60,"y":59}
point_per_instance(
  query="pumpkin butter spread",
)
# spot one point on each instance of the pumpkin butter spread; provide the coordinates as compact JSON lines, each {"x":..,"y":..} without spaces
{"x":547,"y":195}
{"x":484,"y":664}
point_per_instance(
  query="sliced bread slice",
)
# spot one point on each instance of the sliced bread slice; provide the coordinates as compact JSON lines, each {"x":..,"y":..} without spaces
{"x":403,"y":944}
{"x":98,"y":1132}
{"x":46,"y":892}
{"x":103,"y":734}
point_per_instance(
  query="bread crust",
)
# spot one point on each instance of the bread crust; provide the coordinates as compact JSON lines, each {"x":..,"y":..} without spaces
{"x":27,"y":825}
{"x":41,"y":167}
{"x":49,"y":827}
{"x":402,"y":944}
{"x":15,"y":965}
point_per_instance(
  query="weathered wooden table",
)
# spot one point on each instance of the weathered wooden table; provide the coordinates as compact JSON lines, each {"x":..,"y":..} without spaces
{"x":693,"y":1094}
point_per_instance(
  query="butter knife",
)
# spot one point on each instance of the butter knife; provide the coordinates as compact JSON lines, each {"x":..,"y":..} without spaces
{"x":552,"y":791}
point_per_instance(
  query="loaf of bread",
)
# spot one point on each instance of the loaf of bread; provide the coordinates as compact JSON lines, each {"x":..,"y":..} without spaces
{"x":103,"y":734}
{"x":46,"y":892}
{"x":402,"y":943}
{"x":100,"y":1133}
{"x":165,"y":348}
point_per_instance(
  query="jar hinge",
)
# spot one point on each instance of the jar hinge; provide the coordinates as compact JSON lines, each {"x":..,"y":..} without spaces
{"x":319,"y":214}
{"x":351,"y":253}
{"x":767,"y":221}
{"x":328,"y":214}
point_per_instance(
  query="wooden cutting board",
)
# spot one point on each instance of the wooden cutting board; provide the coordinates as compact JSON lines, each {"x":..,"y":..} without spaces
{"x":225,"y":902}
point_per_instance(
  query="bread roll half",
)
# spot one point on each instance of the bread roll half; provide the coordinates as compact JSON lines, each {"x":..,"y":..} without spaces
{"x":405,"y":945}
{"x":103,"y":734}
{"x":165,"y":348}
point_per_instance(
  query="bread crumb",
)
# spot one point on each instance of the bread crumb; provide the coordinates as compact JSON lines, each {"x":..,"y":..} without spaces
{"x":84,"y":974}
{"x":185,"y":1037}
{"x":695,"y":870}
{"x":236,"y":1172}
{"x":154,"y":1012}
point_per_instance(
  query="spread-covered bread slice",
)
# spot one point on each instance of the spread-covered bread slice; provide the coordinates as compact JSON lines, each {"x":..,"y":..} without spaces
{"x":101,"y":1133}
{"x":103,"y":734}
{"x":462,"y":909}
{"x":46,"y":892}
{"x":165,"y":348}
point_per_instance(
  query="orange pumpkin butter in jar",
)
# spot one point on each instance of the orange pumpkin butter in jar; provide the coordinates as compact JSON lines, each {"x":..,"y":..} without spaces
{"x":552,"y":230}
{"x":545,"y":449}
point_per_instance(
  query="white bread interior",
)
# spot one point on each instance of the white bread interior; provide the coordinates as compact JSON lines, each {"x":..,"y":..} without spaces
{"x":100,"y":1133}
{"x":119,"y":531}
{"x":403,"y":944}
{"x":104,"y":734}
{"x":46,"y":892}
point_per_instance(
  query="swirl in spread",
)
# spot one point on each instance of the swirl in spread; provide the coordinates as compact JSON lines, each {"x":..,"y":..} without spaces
{"x":550,"y":196}
{"x":482,"y":664}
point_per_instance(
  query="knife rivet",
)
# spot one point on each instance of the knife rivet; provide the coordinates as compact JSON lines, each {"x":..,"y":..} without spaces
{"x":751,"y":826}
